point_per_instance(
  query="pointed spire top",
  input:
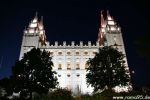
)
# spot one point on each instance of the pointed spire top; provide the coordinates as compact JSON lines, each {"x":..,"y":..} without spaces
{"x":101,"y":34}
{"x":36,"y":14}
{"x":41,"y":21}
{"x":35,"y":20}
{"x":102,"y":12}
{"x":102,"y":19}
{"x":41,"y":26}
{"x":108,"y":15}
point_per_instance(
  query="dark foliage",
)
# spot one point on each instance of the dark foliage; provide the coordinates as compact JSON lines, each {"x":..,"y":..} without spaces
{"x":33,"y":73}
{"x":60,"y":94}
{"x":107,"y":69}
{"x":6,"y":85}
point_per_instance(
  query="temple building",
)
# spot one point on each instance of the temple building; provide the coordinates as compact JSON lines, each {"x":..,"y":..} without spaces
{"x":70,"y":60}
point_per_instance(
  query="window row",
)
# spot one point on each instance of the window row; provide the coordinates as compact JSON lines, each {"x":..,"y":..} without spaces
{"x":69,"y":53}
{"x":69,"y":66}
{"x":68,"y":75}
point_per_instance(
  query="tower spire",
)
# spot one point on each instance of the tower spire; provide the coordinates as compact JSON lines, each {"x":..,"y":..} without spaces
{"x":36,"y":14}
{"x":102,"y":19}
{"x":108,"y":15}
{"x":101,"y":34}
{"x":41,"y":20}
{"x":42,"y":32}
{"x":41,"y":26}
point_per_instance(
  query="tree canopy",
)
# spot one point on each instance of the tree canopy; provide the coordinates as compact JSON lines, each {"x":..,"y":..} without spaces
{"x":107,"y":69}
{"x":33,"y":73}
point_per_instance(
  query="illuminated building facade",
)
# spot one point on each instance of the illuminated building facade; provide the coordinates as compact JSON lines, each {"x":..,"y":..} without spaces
{"x":70,"y":60}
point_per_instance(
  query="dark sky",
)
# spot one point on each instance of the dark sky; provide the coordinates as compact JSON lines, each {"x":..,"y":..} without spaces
{"x":77,"y":20}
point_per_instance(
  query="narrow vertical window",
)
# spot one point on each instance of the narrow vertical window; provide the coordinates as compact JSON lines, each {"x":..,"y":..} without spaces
{"x":77,"y":66}
{"x":59,"y":66}
{"x":59,"y":53}
{"x":86,"y":66}
{"x":68,"y":67}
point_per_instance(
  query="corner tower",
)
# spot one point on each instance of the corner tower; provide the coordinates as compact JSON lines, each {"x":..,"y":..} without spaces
{"x":33,"y":36}
{"x":110,"y":33}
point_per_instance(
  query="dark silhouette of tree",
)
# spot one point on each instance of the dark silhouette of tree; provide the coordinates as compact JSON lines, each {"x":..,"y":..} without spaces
{"x":33,"y":73}
{"x":107,"y":69}
{"x":7,"y":85}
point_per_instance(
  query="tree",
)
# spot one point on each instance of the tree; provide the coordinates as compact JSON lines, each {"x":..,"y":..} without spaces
{"x":107,"y":69}
{"x":6,"y":86}
{"x":33,"y":73}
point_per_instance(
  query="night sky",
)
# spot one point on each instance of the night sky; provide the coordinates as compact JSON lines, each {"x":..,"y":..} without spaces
{"x":77,"y":20}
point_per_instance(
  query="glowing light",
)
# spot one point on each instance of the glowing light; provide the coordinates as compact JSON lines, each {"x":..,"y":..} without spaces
{"x":123,"y":88}
{"x":40,"y":27}
{"x":33,"y":25}
{"x":109,"y":18}
{"x":41,"y":32}
{"x":31,"y":31}
{"x":103,"y":25}
{"x":112,"y":28}
{"x":133,"y":72}
{"x":111,"y":22}
{"x":103,"y":30}
{"x":34,"y":20}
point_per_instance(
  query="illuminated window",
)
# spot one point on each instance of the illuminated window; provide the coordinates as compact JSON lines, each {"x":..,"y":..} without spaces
{"x":94,"y":53}
{"x":112,"y":28}
{"x":77,"y":66}
{"x":85,"y":53}
{"x":68,"y":67}
{"x":59,"y":53}
{"x":31,"y":31}
{"x":51,"y":53}
{"x":86,"y":66}
{"x":77,"y":53}
{"x":32,"y":25}
{"x":68,"y":53}
{"x":59,"y":66}
{"x":103,"y":30}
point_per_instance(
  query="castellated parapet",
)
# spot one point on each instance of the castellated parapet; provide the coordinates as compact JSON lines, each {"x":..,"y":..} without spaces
{"x":72,"y":45}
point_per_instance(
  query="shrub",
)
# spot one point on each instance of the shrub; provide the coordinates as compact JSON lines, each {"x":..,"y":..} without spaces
{"x":60,"y":94}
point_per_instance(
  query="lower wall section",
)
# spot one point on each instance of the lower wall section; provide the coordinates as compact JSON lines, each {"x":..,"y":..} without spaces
{"x":75,"y":80}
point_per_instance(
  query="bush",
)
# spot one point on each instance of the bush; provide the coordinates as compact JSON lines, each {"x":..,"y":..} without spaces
{"x":60,"y":94}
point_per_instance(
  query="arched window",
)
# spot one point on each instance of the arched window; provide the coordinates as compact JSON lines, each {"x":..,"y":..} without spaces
{"x":94,"y":52}
{"x":77,"y":53}
{"x":59,"y":66}
{"x":78,"y":66}
{"x":68,"y":53}
{"x":59,"y":53}
{"x":86,"y":66}
{"x":68,"y":66}
{"x":85,"y":53}
{"x":51,"y":53}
